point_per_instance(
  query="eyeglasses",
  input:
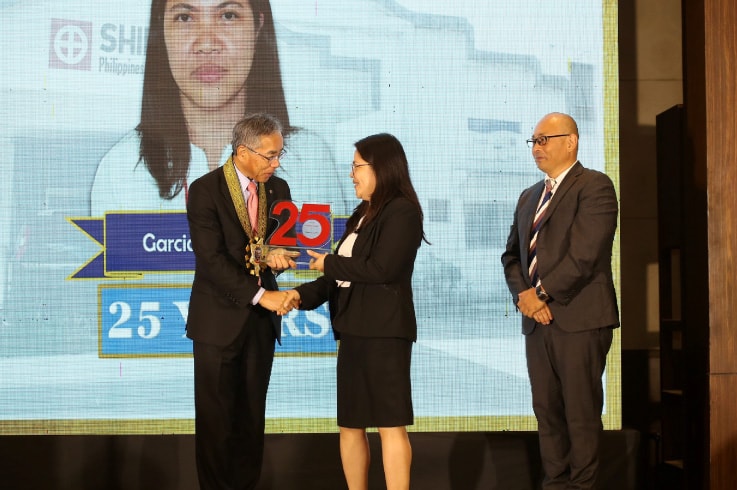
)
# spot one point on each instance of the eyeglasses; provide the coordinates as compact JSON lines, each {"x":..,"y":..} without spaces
{"x":355,"y":165}
{"x":271,"y":159}
{"x":543,"y":140}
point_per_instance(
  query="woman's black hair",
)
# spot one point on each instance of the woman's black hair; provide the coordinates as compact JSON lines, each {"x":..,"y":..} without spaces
{"x":389,"y":162}
{"x":165,"y":145}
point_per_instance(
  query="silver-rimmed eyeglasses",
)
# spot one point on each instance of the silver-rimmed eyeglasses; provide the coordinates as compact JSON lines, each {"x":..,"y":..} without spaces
{"x":542,"y":140}
{"x":355,"y":165}
{"x":270,"y":159}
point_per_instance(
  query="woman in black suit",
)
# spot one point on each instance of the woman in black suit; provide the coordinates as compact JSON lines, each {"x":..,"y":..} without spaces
{"x":368,"y":283}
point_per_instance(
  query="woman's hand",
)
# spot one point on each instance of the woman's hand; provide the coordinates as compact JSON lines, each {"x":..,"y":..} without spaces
{"x":317,"y":262}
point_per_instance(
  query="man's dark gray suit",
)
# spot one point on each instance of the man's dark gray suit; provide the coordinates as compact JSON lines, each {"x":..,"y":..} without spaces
{"x":566,"y":358}
{"x":233,"y":339}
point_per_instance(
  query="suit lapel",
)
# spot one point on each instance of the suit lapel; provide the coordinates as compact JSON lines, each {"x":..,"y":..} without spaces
{"x":271,"y":223}
{"x":223,"y":184}
{"x":562,"y":190}
{"x":527,"y":212}
{"x":363,"y":238}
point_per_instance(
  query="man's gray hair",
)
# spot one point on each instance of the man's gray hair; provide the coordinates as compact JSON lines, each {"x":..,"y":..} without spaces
{"x":249,"y":130}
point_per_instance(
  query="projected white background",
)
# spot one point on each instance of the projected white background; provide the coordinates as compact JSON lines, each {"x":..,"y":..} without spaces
{"x":461,"y":84}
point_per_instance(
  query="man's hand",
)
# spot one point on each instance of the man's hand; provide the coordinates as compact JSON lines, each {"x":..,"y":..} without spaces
{"x":280,"y":302}
{"x":531,"y":306}
{"x":280,"y":259}
{"x":274,"y":301}
{"x":292,"y":301}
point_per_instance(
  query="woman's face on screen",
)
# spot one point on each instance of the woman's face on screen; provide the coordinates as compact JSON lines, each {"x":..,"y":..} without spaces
{"x":210,"y":44}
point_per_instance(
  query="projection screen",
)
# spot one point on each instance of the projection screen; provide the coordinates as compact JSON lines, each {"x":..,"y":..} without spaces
{"x":95,"y":267}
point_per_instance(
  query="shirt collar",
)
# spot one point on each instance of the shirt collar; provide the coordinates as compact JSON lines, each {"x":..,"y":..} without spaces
{"x":556,"y":181}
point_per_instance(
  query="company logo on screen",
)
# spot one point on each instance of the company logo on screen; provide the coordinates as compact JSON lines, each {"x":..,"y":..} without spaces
{"x":71,"y":45}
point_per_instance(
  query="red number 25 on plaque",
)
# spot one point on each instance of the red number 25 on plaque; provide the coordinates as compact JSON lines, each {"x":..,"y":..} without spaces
{"x":312,"y":224}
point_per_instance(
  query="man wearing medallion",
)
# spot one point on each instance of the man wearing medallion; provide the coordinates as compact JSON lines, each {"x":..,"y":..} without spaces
{"x":232,"y":318}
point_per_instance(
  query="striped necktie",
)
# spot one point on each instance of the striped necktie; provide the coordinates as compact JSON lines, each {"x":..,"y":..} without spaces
{"x":532,"y":255}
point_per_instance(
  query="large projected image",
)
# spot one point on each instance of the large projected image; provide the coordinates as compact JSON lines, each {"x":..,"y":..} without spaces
{"x":101,"y":137}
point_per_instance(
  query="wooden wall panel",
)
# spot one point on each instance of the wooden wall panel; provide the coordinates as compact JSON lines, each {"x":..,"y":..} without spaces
{"x":710,"y":195}
{"x":721,"y":135}
{"x":721,"y":143}
{"x":723,"y":440}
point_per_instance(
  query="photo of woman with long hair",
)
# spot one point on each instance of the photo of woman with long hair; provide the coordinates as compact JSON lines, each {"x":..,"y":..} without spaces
{"x":208,"y":63}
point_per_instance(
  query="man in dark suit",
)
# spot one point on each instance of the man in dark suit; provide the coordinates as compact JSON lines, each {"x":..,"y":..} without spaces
{"x":234,"y":296}
{"x":563,"y":287}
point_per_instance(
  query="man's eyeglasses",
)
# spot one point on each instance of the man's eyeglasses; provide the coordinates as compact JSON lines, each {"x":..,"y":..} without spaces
{"x":355,"y":165}
{"x":543,"y":140}
{"x":271,"y":159}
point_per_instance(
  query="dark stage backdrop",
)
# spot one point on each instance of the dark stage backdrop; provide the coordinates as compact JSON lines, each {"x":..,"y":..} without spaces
{"x":441,"y":461}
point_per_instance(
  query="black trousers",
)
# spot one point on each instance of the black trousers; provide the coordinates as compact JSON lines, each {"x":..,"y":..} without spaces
{"x":565,"y":372}
{"x":230,"y":406}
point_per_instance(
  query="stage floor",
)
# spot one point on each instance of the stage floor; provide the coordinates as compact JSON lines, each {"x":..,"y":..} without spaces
{"x":452,"y":461}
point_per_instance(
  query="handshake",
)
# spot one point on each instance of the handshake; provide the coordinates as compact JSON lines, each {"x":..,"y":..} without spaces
{"x":282,"y":302}
{"x":289,"y":300}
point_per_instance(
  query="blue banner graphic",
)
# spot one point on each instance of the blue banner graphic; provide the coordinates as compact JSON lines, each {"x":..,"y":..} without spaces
{"x":136,"y":243}
{"x":139,"y":321}
{"x":143,"y":321}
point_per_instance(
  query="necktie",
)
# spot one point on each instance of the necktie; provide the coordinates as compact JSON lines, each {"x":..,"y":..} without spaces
{"x":532,"y":255}
{"x":253,"y":205}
